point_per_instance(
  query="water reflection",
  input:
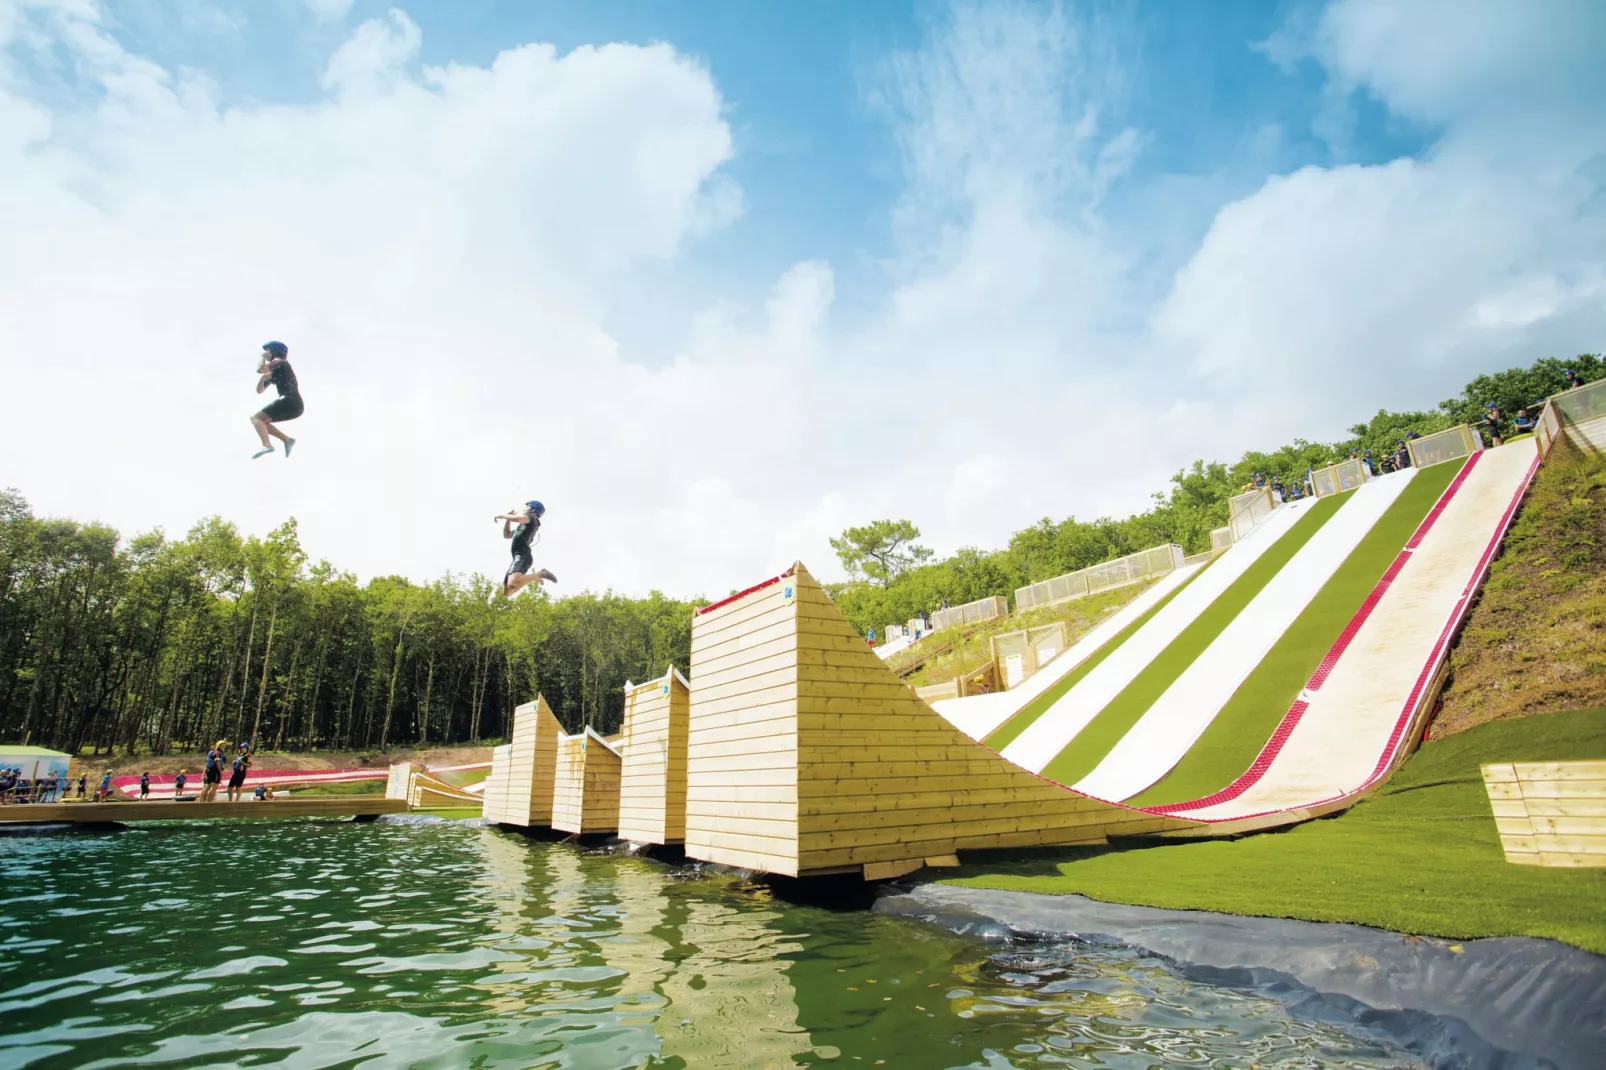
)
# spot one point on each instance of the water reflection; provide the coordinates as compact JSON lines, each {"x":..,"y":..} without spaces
{"x":452,"y":945}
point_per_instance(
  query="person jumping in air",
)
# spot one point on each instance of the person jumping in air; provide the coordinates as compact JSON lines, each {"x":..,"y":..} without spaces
{"x":528,"y":520}
{"x":274,"y":367}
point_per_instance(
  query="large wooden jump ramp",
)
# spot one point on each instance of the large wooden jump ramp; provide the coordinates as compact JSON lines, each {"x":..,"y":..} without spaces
{"x":519,"y":789}
{"x":585,"y":790}
{"x":807,"y":755}
{"x":652,"y":794}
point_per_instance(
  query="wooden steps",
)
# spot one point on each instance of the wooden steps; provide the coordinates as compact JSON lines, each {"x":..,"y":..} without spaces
{"x":1549,"y":813}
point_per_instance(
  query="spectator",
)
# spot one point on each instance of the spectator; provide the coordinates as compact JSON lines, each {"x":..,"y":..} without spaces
{"x":178,"y":783}
{"x":105,"y":790}
{"x":1368,"y":464}
{"x":1491,"y":422}
{"x":1523,"y":424}
{"x":83,"y":784}
{"x":144,"y":786}
{"x":1277,"y":490}
{"x":242,"y":765}
{"x":264,"y":793}
{"x":869,"y":636}
{"x":1573,"y":381}
{"x":212,"y":774}
{"x":1402,"y":455}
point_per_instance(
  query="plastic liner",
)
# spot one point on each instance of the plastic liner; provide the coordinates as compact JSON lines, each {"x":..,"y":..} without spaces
{"x":1496,"y":1003}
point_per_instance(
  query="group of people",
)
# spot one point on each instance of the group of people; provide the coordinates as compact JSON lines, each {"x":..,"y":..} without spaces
{"x":273,"y":369}
{"x":17,"y":788}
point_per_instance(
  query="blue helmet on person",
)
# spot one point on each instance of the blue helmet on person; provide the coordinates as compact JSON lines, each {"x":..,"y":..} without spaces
{"x":277,"y":350}
{"x":536,"y":508}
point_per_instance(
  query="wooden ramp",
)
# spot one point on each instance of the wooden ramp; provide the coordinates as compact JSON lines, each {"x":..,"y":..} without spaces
{"x":168,"y":810}
{"x":519,"y":790}
{"x":585,"y":792}
{"x":652,"y":791}
{"x":807,"y":755}
{"x":420,"y":788}
{"x":1549,"y":813}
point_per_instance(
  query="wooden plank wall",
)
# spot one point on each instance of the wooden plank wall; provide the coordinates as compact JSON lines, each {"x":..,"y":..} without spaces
{"x":652,"y":792}
{"x":1549,"y":813}
{"x":585,"y":795}
{"x":741,"y":754}
{"x":520,"y":792}
{"x":808,"y":755}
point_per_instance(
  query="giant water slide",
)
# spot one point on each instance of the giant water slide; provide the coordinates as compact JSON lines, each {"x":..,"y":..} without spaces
{"x":1362,"y":708}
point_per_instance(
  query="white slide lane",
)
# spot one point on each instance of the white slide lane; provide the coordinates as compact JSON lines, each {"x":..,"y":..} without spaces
{"x":1180,"y":716}
{"x":977,"y":715}
{"x":1346,"y":729}
{"x":1053,"y":731}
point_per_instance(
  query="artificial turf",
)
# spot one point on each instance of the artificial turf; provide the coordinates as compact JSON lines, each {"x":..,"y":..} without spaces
{"x":1094,"y":742}
{"x":1243,"y":725}
{"x":1006,"y":733}
{"x":1421,"y":855}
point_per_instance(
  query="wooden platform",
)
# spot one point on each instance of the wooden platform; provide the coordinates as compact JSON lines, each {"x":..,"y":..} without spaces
{"x":652,"y":792}
{"x":420,"y":789}
{"x":585,"y":791}
{"x":168,"y":810}
{"x":519,"y":790}
{"x":807,"y":755}
{"x":1549,"y":813}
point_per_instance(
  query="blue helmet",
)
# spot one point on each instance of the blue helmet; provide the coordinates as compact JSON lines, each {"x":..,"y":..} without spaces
{"x":277,"y":349}
{"x":536,"y":508}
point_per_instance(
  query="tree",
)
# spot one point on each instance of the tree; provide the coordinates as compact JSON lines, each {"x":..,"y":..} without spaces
{"x":882,"y":551}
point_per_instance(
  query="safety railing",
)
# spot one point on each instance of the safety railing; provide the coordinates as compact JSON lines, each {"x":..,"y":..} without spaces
{"x":1579,"y":415}
{"x":1249,"y":510}
{"x":970,"y":613}
{"x":1106,"y":576}
{"x":1220,"y":539}
{"x":1338,"y":478}
{"x":1017,"y":655}
{"x":978,"y":681}
{"x":1447,"y":445}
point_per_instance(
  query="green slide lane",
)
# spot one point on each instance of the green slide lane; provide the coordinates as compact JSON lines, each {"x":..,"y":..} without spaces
{"x":1092,"y":743}
{"x":1243,"y":725}
{"x":1005,"y":734}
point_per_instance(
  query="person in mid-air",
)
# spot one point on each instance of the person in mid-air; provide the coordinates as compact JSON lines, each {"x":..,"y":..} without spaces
{"x":528,"y":520}
{"x":274,"y":367}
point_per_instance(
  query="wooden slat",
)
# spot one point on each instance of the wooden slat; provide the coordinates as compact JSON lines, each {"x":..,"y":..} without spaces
{"x":168,"y":810}
{"x":1549,"y":813}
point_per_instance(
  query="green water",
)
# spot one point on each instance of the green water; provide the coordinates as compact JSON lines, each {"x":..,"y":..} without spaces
{"x":449,"y":944}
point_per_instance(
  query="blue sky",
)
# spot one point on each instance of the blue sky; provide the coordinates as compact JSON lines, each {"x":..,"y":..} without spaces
{"x":716,"y":280}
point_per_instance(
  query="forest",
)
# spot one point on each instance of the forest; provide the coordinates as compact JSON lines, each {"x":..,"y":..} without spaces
{"x":156,"y":644}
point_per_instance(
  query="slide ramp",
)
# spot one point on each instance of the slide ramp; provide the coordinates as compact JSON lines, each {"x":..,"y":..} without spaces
{"x":1171,"y":726}
{"x":1360,"y":711}
{"x":1045,"y":738}
{"x":977,"y":715}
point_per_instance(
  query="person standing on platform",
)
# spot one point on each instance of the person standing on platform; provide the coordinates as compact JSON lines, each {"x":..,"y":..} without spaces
{"x":212,"y":775}
{"x":242,"y":765}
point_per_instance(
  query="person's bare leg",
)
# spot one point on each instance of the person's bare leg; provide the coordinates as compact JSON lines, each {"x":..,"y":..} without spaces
{"x":261,"y":424}
{"x":273,"y":429}
{"x":516,"y":583}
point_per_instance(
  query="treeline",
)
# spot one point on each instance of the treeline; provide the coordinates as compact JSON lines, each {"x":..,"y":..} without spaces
{"x":892,"y":584}
{"x":168,"y":645}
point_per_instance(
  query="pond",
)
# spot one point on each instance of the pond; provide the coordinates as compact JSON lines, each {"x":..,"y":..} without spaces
{"x":413,"y":943}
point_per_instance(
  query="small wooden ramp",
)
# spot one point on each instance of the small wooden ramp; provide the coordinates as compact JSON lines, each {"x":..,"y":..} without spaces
{"x":519,"y":790}
{"x":585,"y":792}
{"x":420,"y":788}
{"x":652,"y":793}
{"x":807,"y":755}
{"x":1549,"y":813}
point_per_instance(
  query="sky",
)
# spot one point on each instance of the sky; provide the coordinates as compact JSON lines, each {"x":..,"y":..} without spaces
{"x":716,"y":280}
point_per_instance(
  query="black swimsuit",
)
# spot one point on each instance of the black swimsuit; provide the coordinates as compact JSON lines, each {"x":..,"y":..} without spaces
{"x":288,"y":405}
{"x":522,"y":558}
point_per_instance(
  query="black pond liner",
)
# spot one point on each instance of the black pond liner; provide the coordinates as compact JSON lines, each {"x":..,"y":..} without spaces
{"x":1497,"y":1003}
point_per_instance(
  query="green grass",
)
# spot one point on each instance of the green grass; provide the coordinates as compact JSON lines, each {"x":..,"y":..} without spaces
{"x":1006,"y":733}
{"x":1241,"y":728}
{"x":1116,"y":719}
{"x":1420,"y":856}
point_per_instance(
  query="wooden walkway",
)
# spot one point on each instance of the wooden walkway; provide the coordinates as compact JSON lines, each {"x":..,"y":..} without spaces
{"x":86,"y":813}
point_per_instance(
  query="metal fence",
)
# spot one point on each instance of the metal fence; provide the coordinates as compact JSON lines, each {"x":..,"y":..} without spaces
{"x":1133,"y":568}
{"x":1249,"y":510}
{"x":970,"y":613}
{"x":1441,"y":446}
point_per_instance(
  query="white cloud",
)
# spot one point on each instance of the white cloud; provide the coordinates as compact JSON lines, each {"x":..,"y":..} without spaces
{"x":445,"y":249}
{"x":329,"y":10}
